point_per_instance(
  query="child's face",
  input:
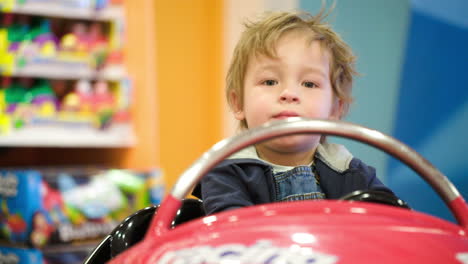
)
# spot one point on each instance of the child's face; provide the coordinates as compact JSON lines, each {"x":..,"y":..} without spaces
{"x":296,"y":83}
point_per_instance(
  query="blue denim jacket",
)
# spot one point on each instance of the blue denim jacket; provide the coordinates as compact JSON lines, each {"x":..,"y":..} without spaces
{"x":299,"y":183}
{"x":243,"y":180}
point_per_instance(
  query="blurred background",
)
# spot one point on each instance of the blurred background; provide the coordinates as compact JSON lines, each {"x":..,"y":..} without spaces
{"x":94,"y":86}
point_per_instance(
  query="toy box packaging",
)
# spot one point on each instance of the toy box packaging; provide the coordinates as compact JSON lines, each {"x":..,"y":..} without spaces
{"x":20,"y":255}
{"x":19,"y":200}
{"x":11,"y":255}
{"x":56,"y":206}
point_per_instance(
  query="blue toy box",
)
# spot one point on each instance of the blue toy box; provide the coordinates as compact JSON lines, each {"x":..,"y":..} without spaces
{"x":20,"y":194}
{"x":20,"y":255}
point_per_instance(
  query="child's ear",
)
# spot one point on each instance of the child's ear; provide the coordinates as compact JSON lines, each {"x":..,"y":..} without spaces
{"x":236,"y":106}
{"x":337,"y":109}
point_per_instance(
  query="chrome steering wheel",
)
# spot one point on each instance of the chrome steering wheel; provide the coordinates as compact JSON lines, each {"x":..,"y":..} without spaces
{"x":223,"y":149}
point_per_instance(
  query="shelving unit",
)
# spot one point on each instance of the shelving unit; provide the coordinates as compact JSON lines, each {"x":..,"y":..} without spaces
{"x":51,"y":67}
{"x":62,"y":141}
{"x":120,"y":135}
{"x":61,"y":73}
{"x":53,"y":9}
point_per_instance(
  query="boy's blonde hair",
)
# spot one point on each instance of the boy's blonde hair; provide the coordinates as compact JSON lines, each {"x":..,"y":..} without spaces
{"x":260,"y":38}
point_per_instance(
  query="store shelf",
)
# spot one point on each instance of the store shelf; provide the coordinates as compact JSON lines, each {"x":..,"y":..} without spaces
{"x":51,"y":9}
{"x":83,"y":247}
{"x":118,"y":135}
{"x":87,"y":246}
{"x":69,"y":71}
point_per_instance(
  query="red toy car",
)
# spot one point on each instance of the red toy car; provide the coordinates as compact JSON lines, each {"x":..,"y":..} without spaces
{"x":327,"y":231}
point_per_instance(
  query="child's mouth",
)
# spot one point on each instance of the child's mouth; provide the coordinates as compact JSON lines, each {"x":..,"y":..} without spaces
{"x":285,"y":114}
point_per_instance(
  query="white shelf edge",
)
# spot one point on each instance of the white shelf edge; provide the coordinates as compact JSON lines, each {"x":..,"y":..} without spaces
{"x":118,"y":135}
{"x":55,"y":10}
{"x":73,"y":73}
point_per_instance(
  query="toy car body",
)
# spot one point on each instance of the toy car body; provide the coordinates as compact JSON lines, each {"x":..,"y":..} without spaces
{"x":326,"y":231}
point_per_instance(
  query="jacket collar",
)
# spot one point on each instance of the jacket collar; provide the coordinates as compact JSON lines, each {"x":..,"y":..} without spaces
{"x":336,"y":156}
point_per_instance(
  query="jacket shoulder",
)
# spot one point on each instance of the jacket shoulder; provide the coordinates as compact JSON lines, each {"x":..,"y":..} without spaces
{"x":357,"y":164}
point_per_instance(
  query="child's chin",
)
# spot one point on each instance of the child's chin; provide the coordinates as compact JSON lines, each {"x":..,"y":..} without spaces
{"x":296,"y":143}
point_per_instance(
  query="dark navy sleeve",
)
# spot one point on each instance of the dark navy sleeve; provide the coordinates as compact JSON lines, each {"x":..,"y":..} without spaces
{"x":373,"y":183}
{"x":224,"y":188}
{"x":358,"y":176}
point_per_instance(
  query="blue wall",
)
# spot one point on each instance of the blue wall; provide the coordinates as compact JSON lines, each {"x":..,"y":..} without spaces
{"x":414,"y":59}
{"x":376,"y":31}
{"x":432,"y":114}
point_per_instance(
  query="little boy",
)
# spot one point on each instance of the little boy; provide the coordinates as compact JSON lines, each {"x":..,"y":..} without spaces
{"x":288,"y":65}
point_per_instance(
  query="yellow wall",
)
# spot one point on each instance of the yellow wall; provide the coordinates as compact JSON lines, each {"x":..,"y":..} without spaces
{"x":141,"y":64}
{"x":174,"y":58}
{"x":189,"y":68}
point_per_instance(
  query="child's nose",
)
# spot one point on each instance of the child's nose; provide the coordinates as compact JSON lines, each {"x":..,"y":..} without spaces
{"x":289,"y":96}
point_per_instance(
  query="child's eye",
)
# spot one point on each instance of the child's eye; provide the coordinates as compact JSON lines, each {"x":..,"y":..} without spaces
{"x":309,"y":84}
{"x":270,"y":82}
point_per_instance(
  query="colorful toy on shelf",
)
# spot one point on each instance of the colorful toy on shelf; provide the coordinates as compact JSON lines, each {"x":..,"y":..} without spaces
{"x":31,"y":40}
{"x":14,"y":94}
{"x":96,"y":104}
{"x":77,"y":106}
{"x":84,"y":92}
{"x":96,"y":199}
{"x":103,"y":98}
{"x":78,"y":100}
{"x":7,"y":5}
{"x":5,"y":121}
{"x":48,"y":46}
{"x":39,"y":43}
{"x":43,"y":99}
{"x":14,"y":226}
{"x":74,"y":44}
{"x":86,"y":44}
{"x":104,"y":103}
{"x":6,"y":59}
{"x":45,"y":39}
{"x":132,"y":186}
{"x":17,"y":103}
{"x":53,"y":204}
{"x":11,"y":35}
{"x":40,"y":207}
{"x":98,"y":44}
{"x":24,"y":105}
{"x":70,"y":104}
{"x":41,"y":230}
